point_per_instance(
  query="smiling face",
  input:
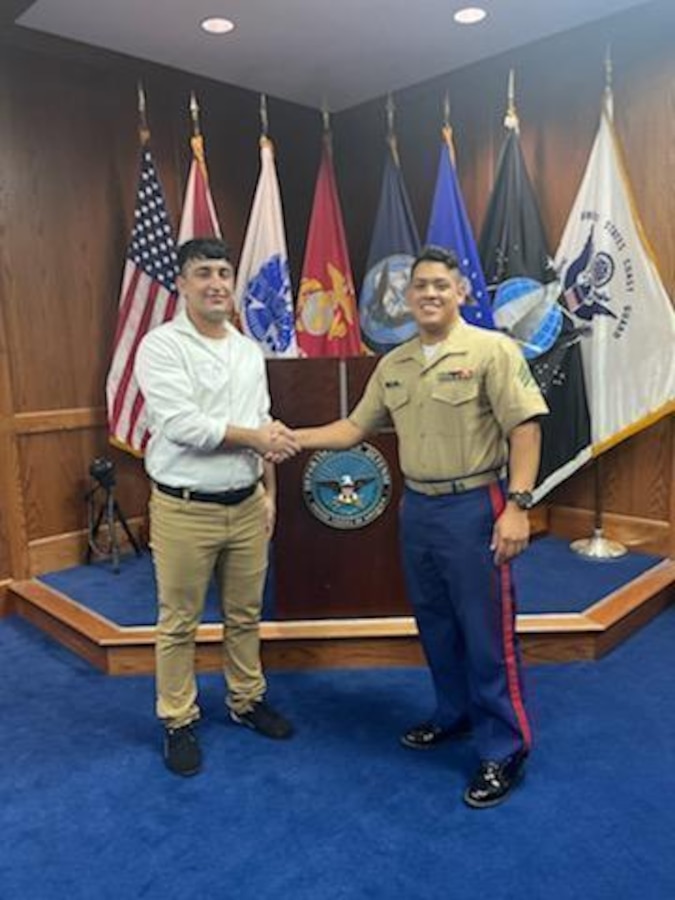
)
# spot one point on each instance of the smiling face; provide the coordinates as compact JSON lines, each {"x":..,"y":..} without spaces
{"x":435,"y":294}
{"x":208,"y":288}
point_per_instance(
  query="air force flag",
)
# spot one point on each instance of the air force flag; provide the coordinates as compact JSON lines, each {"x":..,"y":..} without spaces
{"x":613,"y":292}
{"x":264,"y":296}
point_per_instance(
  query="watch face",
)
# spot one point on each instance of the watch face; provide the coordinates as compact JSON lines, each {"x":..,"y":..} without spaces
{"x":522,"y":499}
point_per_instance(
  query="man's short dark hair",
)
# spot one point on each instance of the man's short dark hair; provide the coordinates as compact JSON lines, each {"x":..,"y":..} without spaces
{"x":202,"y":248}
{"x":436,"y":254}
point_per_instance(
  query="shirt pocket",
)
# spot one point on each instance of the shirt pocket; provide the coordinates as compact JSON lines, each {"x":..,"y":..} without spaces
{"x":395,"y":397}
{"x":455,"y":407}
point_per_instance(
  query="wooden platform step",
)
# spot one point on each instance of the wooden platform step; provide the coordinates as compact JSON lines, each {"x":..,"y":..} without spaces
{"x":330,"y":643}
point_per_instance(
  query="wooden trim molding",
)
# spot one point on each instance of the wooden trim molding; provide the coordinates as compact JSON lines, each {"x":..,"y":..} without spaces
{"x":381,"y":641}
{"x":46,"y":421}
{"x":62,"y":551}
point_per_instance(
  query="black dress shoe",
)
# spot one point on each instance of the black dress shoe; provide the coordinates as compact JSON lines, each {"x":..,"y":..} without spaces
{"x":265,"y":720}
{"x":182,"y":755}
{"x":428,"y":734}
{"x":494,"y":781}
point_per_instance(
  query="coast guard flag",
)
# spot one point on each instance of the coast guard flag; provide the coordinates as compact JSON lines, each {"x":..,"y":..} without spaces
{"x":148,"y":297}
{"x":449,"y":227}
{"x":614,"y":294}
{"x":327,"y":320}
{"x":263,"y":292}
{"x":520,"y":274}
{"x":199,"y":217}
{"x":383,"y":308}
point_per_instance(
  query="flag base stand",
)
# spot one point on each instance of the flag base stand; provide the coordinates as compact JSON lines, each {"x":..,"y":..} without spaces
{"x":598,"y":548}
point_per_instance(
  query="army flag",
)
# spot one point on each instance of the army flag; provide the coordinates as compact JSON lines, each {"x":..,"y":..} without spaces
{"x":385,"y":317}
{"x":327,"y":318}
{"x":615,"y":296}
{"x":449,"y":227}
{"x":526,"y":304}
{"x":263,"y":291}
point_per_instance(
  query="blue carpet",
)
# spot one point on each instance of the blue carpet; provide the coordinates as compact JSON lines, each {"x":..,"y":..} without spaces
{"x":549,"y":578}
{"x":340,"y":812}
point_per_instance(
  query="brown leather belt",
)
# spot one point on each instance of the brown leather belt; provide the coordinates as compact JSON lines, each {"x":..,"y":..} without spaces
{"x":454,"y":485}
{"x":224,"y":498}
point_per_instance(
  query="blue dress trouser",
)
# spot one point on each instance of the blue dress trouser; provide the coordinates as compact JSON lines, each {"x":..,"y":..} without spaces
{"x":465,"y":612}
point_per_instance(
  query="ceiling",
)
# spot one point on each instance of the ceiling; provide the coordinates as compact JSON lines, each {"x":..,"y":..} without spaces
{"x":332,"y":53}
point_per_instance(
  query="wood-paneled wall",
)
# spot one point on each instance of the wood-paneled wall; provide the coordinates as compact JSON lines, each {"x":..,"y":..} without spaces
{"x":68,"y":169}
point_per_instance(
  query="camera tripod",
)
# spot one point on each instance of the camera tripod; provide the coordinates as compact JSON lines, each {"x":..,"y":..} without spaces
{"x":109,"y":512}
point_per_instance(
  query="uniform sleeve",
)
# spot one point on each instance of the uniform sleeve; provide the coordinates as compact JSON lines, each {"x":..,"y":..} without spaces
{"x":169,"y":396}
{"x":513,"y":393}
{"x":370,"y":413}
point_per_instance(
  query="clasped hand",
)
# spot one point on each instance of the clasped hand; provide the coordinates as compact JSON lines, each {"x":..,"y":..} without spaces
{"x":277,"y":442}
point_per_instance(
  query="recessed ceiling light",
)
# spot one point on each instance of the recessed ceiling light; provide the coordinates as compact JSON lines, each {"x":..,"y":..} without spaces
{"x":217,"y":25}
{"x":470,"y":15}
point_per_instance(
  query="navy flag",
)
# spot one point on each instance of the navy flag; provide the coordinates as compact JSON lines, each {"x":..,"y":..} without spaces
{"x":449,"y":227}
{"x":385,"y":318}
{"x":526,"y":303}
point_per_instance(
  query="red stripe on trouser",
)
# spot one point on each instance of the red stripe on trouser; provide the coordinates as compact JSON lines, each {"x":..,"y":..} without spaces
{"x":508,"y":633}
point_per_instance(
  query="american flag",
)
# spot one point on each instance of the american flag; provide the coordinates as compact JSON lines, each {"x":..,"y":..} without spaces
{"x":148,"y":297}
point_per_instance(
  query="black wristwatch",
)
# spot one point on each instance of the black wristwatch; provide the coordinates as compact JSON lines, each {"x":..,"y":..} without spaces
{"x":522,"y":499}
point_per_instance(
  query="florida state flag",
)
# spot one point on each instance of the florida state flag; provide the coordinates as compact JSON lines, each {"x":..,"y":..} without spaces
{"x":327,"y":320}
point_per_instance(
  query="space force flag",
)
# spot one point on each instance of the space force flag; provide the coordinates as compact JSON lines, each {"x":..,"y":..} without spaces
{"x":613,"y":292}
{"x":263,"y":292}
{"x":519,"y":271}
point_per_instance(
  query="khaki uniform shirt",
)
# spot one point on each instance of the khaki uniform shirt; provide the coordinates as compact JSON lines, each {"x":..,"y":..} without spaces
{"x":453,"y":413}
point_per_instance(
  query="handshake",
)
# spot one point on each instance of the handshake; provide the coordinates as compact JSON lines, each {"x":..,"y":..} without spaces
{"x":277,"y":442}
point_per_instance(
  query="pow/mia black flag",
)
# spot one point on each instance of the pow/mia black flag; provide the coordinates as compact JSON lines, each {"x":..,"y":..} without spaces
{"x":513,"y":246}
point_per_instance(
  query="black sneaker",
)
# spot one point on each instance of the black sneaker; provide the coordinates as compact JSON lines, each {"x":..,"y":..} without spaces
{"x":181,"y":751}
{"x":494,"y":781}
{"x":265,"y":720}
{"x":428,"y":734}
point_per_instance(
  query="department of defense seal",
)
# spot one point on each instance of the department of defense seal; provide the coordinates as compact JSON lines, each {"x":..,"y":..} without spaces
{"x":347,"y":488}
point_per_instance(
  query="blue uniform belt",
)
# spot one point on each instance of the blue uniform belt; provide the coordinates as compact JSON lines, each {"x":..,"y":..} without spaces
{"x":224,"y":498}
{"x":434,"y":488}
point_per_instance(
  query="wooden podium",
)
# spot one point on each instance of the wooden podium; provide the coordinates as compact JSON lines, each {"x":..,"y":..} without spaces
{"x":320,"y":571}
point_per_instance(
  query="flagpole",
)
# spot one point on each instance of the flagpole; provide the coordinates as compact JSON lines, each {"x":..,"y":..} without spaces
{"x":598,"y":547}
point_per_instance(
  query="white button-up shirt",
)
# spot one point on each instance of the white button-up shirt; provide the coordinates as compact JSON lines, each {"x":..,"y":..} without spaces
{"x":194,"y":387}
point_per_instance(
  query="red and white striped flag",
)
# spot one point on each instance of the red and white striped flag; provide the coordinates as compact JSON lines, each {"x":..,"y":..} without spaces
{"x":199,"y":217}
{"x":148,"y":298}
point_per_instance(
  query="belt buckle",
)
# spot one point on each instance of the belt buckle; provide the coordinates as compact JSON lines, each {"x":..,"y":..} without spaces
{"x":186,"y":493}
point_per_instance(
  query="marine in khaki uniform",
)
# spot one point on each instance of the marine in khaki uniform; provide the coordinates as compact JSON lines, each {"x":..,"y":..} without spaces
{"x":464,"y":407}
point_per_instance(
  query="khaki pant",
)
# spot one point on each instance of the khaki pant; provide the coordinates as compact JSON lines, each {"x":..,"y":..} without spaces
{"x":190,"y":541}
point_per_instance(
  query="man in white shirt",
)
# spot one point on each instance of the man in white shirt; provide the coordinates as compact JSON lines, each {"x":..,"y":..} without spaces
{"x":212,"y":508}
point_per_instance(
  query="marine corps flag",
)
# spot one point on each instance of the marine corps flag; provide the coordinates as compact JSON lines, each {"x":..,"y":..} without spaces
{"x":526,"y":303}
{"x":198,"y":218}
{"x":616,"y":298}
{"x":449,"y":227}
{"x":263,"y":292}
{"x":385,"y":317}
{"x":327,"y":320}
